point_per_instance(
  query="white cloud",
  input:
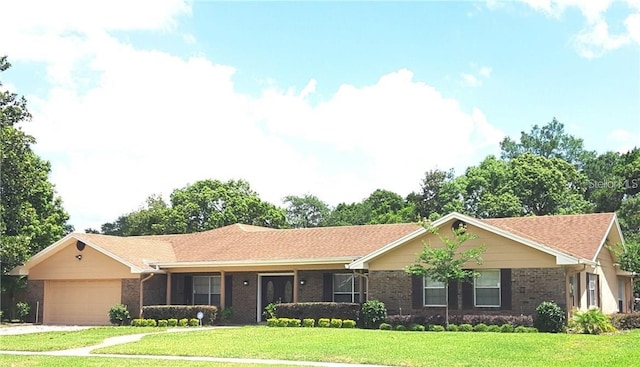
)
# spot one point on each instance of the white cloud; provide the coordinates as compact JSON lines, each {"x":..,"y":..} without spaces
{"x":624,"y":140}
{"x":475,"y":78}
{"x":470,"y":80}
{"x":595,"y":39}
{"x":147,"y":122}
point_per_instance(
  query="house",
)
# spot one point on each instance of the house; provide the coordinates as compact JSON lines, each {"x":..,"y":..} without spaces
{"x":567,"y":259}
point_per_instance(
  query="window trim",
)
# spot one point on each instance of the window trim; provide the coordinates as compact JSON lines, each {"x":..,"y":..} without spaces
{"x":424,"y":292}
{"x":499,"y":288}
{"x":595,"y":300}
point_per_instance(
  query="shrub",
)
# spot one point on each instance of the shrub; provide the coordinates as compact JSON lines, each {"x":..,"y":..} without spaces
{"x":336,"y":323}
{"x":384,"y":326}
{"x":520,"y":329}
{"x":181,"y":312}
{"x":324,"y":323}
{"x":23,"y":309}
{"x":465,"y":327}
{"x":308,"y":322}
{"x":272,"y":322}
{"x":531,"y":329}
{"x":348,"y":324}
{"x":138,"y":322}
{"x":437,"y":328}
{"x":194,"y":322}
{"x":592,"y":321}
{"x":416,"y":327}
{"x":452,"y":327}
{"x":506,"y":328}
{"x":514,"y":320}
{"x":172,"y":322}
{"x":480,"y":327}
{"x":270,"y":311}
{"x":226,"y":314}
{"x":282,"y":322}
{"x":373,"y":313}
{"x":183,"y":322}
{"x":150,"y":322}
{"x":118,"y":314}
{"x":294,"y":323}
{"x":549,"y":317}
{"x":493,"y":328}
{"x":316,"y":310}
{"x":401,"y":327}
{"x":626,"y":321}
{"x":162,"y":323}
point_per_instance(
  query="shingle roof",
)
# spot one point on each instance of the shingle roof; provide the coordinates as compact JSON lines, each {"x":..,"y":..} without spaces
{"x":580,"y":235}
{"x":240,"y":242}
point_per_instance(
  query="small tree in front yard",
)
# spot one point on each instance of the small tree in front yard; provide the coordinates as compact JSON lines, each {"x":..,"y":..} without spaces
{"x":445,"y":264}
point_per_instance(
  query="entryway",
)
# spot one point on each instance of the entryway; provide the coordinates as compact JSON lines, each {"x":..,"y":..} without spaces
{"x":274,"y":289}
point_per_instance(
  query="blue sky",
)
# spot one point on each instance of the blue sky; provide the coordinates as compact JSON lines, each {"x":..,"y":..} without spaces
{"x":329,"y":98}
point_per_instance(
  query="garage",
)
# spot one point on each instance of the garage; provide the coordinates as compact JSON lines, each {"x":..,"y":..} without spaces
{"x":79,"y":302}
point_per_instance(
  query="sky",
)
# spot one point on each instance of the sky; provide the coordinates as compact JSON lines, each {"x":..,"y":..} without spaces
{"x":334,"y":99}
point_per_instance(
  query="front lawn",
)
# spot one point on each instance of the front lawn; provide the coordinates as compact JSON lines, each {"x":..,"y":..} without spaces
{"x":46,"y":361}
{"x":58,"y":340}
{"x":395,"y":348}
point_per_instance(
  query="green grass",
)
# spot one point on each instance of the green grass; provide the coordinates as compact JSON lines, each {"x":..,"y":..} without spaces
{"x":396,"y":348}
{"x":45,"y":361}
{"x":58,"y":340}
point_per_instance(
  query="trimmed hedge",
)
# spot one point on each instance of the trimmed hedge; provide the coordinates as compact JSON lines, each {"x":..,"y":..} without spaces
{"x":626,"y":321}
{"x":437,"y":319}
{"x":181,"y":312}
{"x":317,"y":310}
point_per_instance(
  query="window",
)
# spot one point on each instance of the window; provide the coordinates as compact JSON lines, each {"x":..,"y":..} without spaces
{"x":574,"y":290}
{"x":206,"y":290}
{"x":487,"y":288}
{"x":592,"y":290}
{"x":346,"y":288}
{"x":434,"y":293}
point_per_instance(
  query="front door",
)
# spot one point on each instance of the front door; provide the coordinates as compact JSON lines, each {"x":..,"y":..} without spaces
{"x":276,"y":289}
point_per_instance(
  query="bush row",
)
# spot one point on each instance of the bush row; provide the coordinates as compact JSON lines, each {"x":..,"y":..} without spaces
{"x":504,"y":328}
{"x":317,"y":310}
{"x":180,"y":312}
{"x":498,"y":320}
{"x":625,"y":321}
{"x":323,"y":322}
{"x":165,"y":323}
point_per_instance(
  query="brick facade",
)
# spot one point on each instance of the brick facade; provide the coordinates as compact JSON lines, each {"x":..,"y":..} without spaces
{"x":130,"y":296}
{"x":529,"y":288}
{"x":243,"y":296}
{"x":34,"y":296}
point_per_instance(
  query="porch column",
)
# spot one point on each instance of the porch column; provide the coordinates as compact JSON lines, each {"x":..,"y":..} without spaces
{"x":296,"y":284}
{"x":168,"y":300}
{"x":361,"y":288}
{"x":222,"y":289}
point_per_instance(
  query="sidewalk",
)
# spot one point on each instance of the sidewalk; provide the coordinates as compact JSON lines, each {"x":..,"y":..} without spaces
{"x":86,"y":352}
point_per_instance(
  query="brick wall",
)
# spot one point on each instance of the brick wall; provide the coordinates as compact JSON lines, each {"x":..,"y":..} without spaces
{"x":34,"y":294}
{"x":312,"y":290}
{"x":529,"y":287}
{"x":244,"y":297}
{"x":130,"y":296}
{"x":155,"y":290}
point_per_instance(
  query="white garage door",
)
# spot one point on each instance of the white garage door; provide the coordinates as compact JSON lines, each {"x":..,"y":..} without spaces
{"x":79,"y":302}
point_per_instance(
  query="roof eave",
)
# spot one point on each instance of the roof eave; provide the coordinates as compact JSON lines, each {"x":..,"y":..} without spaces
{"x":244,"y":263}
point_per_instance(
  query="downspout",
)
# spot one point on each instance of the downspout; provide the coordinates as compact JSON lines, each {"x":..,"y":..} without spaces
{"x":142,"y":291}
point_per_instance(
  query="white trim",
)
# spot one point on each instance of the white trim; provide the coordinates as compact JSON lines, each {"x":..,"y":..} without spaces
{"x":259,"y":306}
{"x":424,"y":295}
{"x":561,"y":257}
{"x":606,"y":234}
{"x":238,"y":263}
{"x":475,"y":296}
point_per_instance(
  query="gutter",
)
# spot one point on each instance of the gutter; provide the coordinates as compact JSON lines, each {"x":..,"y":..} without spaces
{"x":142,"y":291}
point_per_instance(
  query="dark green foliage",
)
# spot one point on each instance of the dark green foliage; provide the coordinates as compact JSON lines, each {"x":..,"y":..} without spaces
{"x":480,"y":327}
{"x":493,"y":328}
{"x":452,"y":327}
{"x":401,"y":328}
{"x":465,"y":327}
{"x":316,"y":310}
{"x":270,"y":311}
{"x":506,"y":328}
{"x":22,"y":309}
{"x":436,"y":328}
{"x":226,"y":315}
{"x":181,"y":312}
{"x":163,"y":323}
{"x":373,"y":313}
{"x":549,"y":318}
{"x":306,"y":212}
{"x":416,"y":327}
{"x":385,"y":326}
{"x":626,"y":321}
{"x":119,"y":315}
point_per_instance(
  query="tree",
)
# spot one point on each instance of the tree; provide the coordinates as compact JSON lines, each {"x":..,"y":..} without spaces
{"x":440,"y":194}
{"x":549,"y":141}
{"x":31,"y":212}
{"x":382,"y":206}
{"x":306,"y":211}
{"x":446,"y":264}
